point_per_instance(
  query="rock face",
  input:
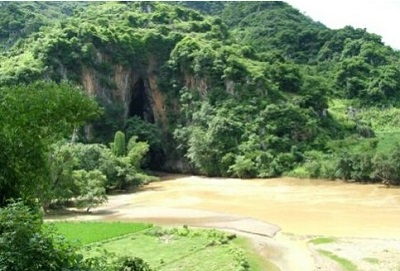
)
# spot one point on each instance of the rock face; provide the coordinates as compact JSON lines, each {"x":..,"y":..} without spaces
{"x":136,"y":90}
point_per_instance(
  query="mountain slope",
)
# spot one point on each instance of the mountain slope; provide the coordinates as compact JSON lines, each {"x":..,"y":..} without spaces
{"x":245,"y":92}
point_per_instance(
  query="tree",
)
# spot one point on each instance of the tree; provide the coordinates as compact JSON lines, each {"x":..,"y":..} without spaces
{"x":91,"y":188}
{"x":32,"y":117}
{"x":26,"y":245}
{"x":387,"y":166}
{"x":136,"y":151}
{"x":243,"y":167}
{"x":118,"y":146}
{"x":148,"y":133}
{"x":61,"y":163}
{"x":133,"y":264}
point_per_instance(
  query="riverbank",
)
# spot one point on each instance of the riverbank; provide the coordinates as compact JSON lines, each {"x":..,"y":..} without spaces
{"x":361,"y":219}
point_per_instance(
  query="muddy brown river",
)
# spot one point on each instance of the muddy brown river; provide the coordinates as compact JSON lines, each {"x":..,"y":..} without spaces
{"x":278,"y":215}
{"x":301,"y":207}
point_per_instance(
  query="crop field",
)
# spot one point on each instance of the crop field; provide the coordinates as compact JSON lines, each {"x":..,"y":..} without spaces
{"x":165,"y":248}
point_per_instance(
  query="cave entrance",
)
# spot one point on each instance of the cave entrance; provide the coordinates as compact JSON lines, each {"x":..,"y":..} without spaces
{"x":140,"y":103}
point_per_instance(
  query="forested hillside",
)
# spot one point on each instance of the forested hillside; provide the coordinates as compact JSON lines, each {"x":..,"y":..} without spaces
{"x":241,"y":89}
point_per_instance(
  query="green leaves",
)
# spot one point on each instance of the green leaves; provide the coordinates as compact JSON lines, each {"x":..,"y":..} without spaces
{"x":118,"y":146}
{"x":26,"y":245}
{"x":33,"y":117}
{"x":92,"y":188}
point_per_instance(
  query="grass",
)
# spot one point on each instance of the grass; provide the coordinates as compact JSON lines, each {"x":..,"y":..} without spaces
{"x":166,"y":249}
{"x":322,"y":240}
{"x":90,"y":232}
{"x":372,"y":260}
{"x":176,"y":249}
{"x":344,"y":263}
{"x":254,"y":259}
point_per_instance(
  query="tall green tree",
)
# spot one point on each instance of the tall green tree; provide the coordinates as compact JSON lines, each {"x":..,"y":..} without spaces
{"x":118,"y":146}
{"x":32,"y":117}
{"x":26,"y":245}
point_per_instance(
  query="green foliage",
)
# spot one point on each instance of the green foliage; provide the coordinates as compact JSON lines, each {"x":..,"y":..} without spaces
{"x":387,"y":165}
{"x":65,"y":48}
{"x":243,"y":167}
{"x":207,"y":7}
{"x":316,"y":165}
{"x":74,"y":174}
{"x":105,"y":127}
{"x":179,"y":248}
{"x":92,"y":191}
{"x":118,"y":146}
{"x":33,"y":117}
{"x":344,"y":263}
{"x":19,"y":20}
{"x":247,"y":92}
{"x":26,"y":245}
{"x":144,"y":131}
{"x":136,"y":151}
{"x":322,"y":240}
{"x":371,"y":260}
{"x":83,"y":172}
{"x":92,"y":232}
{"x":61,"y":162}
{"x":226,"y":139}
{"x":123,"y":171}
{"x":133,"y":264}
{"x":275,"y":26}
{"x":150,"y":134}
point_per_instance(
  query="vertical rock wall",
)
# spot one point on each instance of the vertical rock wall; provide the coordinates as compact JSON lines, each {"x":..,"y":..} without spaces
{"x":125,"y":79}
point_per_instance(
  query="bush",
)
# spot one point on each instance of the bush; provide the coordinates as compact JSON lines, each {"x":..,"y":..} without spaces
{"x":118,"y":146}
{"x":132,"y":264}
{"x":26,"y":245}
{"x":387,"y":166}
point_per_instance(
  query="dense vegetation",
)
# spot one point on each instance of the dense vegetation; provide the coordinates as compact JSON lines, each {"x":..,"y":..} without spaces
{"x":28,"y":244}
{"x":243,"y":89}
{"x":91,"y":94}
{"x":182,"y":248}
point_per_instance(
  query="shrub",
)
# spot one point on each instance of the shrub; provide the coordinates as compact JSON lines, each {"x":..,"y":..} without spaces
{"x":26,"y":245}
{"x":118,"y":146}
{"x":132,"y":264}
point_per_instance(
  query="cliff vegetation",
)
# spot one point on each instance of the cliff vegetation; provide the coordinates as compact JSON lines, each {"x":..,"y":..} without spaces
{"x":241,"y":89}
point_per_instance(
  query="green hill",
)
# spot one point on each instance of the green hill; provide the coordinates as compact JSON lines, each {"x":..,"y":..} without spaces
{"x":244,"y":89}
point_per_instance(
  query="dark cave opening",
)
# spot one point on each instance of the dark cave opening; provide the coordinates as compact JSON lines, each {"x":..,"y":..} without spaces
{"x":140,"y":104}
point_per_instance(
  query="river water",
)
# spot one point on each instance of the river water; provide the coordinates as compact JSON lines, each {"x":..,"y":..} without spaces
{"x":301,"y":207}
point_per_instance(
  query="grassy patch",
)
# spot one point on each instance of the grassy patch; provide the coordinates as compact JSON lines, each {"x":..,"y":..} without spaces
{"x":90,"y":232}
{"x":344,"y":263}
{"x":254,"y":259}
{"x":372,"y":260}
{"x":166,"y":248}
{"x":183,"y":249}
{"x":322,"y":240}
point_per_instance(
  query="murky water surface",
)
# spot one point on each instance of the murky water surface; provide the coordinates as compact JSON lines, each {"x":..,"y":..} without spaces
{"x":315,"y":207}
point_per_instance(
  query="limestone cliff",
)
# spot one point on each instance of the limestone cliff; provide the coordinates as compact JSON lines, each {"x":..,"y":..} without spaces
{"x":136,"y":90}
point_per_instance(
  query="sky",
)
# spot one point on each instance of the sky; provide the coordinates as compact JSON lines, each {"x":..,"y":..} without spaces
{"x":381,"y":17}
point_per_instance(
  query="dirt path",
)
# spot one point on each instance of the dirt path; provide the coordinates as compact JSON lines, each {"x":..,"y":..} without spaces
{"x":301,"y":207}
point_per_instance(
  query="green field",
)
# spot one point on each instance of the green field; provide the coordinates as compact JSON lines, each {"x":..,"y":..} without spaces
{"x":166,"y":248}
{"x":91,"y":232}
